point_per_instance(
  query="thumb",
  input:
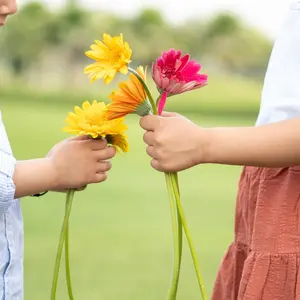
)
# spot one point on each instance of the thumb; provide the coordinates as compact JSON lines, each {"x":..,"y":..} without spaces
{"x":80,"y":138}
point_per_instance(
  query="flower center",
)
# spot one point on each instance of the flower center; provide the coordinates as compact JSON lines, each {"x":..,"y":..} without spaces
{"x":115,"y":56}
{"x":170,"y":71}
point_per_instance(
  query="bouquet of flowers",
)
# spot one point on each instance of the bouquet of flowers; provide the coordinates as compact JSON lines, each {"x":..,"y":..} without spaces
{"x":173,"y":73}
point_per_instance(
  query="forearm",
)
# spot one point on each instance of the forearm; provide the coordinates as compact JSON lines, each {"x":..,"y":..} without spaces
{"x":272,"y":145}
{"x":33,"y":176}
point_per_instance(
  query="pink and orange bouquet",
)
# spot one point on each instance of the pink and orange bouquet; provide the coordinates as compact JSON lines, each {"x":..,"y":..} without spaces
{"x":173,"y":74}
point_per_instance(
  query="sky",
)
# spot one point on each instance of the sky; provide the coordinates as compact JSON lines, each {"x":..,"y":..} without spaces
{"x":266,"y":15}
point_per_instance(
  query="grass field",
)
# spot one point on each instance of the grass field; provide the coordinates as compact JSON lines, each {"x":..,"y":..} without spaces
{"x":121,"y":239}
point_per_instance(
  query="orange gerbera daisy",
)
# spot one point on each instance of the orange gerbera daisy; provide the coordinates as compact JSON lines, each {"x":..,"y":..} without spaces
{"x":130,"y":98}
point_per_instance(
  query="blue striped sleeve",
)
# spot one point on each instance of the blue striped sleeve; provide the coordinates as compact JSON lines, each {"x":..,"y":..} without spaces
{"x":7,"y":187}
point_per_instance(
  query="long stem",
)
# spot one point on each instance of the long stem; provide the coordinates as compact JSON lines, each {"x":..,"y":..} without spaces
{"x":157,"y":100}
{"x":134,"y":72}
{"x":178,"y":216}
{"x":69,"y":201}
{"x":188,"y":236}
{"x":61,"y":244}
{"x":177,"y":239}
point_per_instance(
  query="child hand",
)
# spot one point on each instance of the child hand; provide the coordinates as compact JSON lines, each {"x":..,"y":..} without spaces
{"x":80,"y":161}
{"x":173,"y":142}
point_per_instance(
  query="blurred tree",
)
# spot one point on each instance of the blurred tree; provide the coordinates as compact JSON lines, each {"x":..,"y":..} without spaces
{"x":61,"y":24}
{"x":235,"y":47}
{"x":39,"y":38}
{"x":23,"y":40}
{"x":220,"y":27}
{"x":223,"y":24}
{"x":246,"y":52}
{"x":67,"y":35}
{"x":152,"y":35}
{"x":190,"y":37}
{"x":71,"y":4}
{"x":146,"y":21}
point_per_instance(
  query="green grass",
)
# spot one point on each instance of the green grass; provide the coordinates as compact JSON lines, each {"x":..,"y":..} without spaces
{"x":120,"y":231}
{"x":224,"y":95}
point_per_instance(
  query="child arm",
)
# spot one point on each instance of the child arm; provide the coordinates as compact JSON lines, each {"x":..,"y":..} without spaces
{"x":34,"y":176}
{"x":272,"y":145}
{"x":175,"y":144}
{"x":73,"y":163}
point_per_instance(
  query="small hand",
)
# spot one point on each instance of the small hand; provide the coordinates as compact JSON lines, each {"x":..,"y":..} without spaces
{"x":172,"y":141}
{"x":80,"y":161}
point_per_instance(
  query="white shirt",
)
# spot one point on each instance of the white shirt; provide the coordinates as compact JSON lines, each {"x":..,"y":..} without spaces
{"x":281,"y":92}
{"x":11,"y":226}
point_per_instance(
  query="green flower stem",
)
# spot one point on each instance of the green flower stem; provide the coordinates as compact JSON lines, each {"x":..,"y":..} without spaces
{"x":69,"y":201}
{"x":178,"y":218}
{"x":157,"y":99}
{"x":134,"y":72}
{"x":177,"y":239}
{"x":178,"y":215}
{"x":70,"y":195}
{"x":188,"y":236}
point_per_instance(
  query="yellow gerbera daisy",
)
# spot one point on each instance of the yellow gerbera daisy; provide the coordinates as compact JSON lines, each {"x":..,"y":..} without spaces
{"x":130,"y":98}
{"x":112,"y":55}
{"x":120,"y":140}
{"x":92,"y":120}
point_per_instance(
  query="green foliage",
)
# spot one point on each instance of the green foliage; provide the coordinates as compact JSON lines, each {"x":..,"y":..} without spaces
{"x":23,"y":40}
{"x":147,"y":20}
{"x":235,"y":47}
{"x":222,"y":42}
{"x":62,"y":24}
{"x":224,"y":96}
{"x":223,"y":25}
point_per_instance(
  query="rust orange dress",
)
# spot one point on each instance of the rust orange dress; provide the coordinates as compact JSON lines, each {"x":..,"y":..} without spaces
{"x":263,"y":262}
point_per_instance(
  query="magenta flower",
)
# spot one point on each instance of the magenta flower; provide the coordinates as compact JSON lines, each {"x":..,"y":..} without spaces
{"x":175,"y":74}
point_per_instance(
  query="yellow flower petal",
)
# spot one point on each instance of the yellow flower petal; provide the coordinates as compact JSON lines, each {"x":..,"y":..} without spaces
{"x":119,"y":141}
{"x":91,"y":120}
{"x":124,"y":70}
{"x":112,"y":55}
{"x":86,"y":105}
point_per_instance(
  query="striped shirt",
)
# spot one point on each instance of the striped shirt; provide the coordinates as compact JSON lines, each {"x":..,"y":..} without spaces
{"x":11,"y":226}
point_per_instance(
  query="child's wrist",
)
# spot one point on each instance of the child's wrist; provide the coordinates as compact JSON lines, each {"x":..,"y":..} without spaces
{"x":213,"y":142}
{"x":52,"y":174}
{"x":204,"y":146}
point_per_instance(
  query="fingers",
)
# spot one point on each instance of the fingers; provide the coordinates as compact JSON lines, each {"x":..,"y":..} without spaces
{"x":150,"y":122}
{"x":79,"y":138}
{"x":149,"y":138}
{"x":98,"y":144}
{"x":103,"y":166}
{"x":155,"y":165}
{"x":99,"y":177}
{"x":101,"y":170}
{"x":81,"y":188}
{"x":105,"y":154}
{"x":151,"y":152}
{"x":94,"y":144}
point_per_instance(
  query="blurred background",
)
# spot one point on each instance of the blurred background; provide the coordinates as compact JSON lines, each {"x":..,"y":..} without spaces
{"x":121,"y":241}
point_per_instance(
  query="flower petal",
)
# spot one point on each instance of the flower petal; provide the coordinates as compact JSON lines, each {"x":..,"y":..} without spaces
{"x":112,"y":55}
